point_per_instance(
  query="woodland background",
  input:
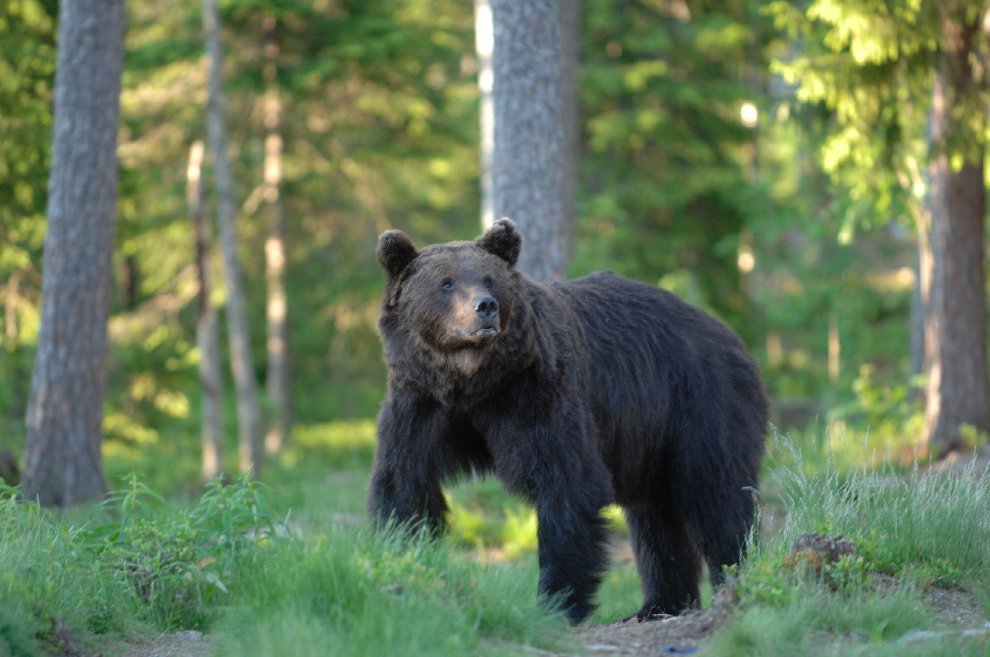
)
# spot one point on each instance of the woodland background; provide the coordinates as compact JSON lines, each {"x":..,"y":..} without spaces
{"x":767,"y":161}
{"x":812,"y":173}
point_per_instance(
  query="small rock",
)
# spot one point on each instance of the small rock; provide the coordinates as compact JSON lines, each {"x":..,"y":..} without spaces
{"x":820,"y":549}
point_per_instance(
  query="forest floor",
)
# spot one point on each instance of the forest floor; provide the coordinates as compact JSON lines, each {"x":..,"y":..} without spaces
{"x":955,"y":612}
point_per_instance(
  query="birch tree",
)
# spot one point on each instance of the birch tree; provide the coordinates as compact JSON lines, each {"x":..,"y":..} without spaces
{"x":207,"y":330}
{"x":278,"y":383}
{"x":241,"y":360}
{"x":907,"y":82}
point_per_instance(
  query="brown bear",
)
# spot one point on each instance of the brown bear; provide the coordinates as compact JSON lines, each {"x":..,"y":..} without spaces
{"x":576,"y":395}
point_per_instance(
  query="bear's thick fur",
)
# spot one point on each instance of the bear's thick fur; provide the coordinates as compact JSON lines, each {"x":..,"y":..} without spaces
{"x":575,"y":395}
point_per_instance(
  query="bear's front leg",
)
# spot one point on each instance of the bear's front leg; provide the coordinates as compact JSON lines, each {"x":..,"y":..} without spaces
{"x":572,"y":539}
{"x":569,"y":485}
{"x":405,"y":478}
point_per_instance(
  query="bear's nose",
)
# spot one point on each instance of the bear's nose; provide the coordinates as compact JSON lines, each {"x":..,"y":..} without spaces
{"x":486,"y":307}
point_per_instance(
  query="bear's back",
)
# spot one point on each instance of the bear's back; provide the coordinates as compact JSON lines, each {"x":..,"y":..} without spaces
{"x":622,"y":316}
{"x":652,"y":362}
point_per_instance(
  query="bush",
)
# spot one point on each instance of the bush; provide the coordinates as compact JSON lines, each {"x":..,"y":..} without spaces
{"x":178,"y":561}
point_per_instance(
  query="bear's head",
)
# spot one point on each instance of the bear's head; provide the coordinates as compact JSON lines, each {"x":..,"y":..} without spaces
{"x":453,"y":296}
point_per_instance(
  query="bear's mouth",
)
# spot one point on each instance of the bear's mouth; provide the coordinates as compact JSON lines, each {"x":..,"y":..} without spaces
{"x":479,"y":336}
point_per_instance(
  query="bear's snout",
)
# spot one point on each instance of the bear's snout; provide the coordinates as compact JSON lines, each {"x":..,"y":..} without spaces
{"x":487,"y":308}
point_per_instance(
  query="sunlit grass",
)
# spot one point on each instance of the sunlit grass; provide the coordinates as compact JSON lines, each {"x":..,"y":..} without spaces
{"x":354,"y":593}
{"x":934,"y":524}
{"x":331,"y":586}
{"x":620,"y":594}
{"x":838,"y":445}
{"x":818,"y":623}
{"x":487,"y":519}
{"x":343,"y":445}
{"x":321,"y":477}
{"x":912,"y":530}
{"x":47,"y":578}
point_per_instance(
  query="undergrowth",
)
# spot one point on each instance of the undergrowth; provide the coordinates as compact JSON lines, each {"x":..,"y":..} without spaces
{"x":177,"y":561}
{"x":133,"y":561}
{"x":912,"y":531}
{"x":136,"y":566}
{"x":358,"y":593}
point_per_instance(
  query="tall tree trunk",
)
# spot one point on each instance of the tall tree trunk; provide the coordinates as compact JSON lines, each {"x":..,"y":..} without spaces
{"x":916,"y":343}
{"x":12,"y":299}
{"x":534,"y":161}
{"x":64,"y":464}
{"x":278,"y":384}
{"x":484,"y":40}
{"x":207,"y":330}
{"x":953,"y":275}
{"x":241,"y":359}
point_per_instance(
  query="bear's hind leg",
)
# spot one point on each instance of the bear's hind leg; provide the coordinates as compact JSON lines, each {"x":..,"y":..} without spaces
{"x":669,"y":565}
{"x":722,"y":531}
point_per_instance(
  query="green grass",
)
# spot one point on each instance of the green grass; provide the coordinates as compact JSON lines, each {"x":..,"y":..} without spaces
{"x":47,"y":576}
{"x":353,"y":593}
{"x":818,"y":622}
{"x":289,"y":567}
{"x":824,"y":624}
{"x":935,"y":527}
{"x":911,"y":530}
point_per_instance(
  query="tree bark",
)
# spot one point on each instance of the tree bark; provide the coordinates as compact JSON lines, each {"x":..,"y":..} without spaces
{"x":278,"y":383}
{"x":241,"y":359}
{"x":952,"y":270}
{"x":484,"y":41}
{"x":534,"y":160}
{"x":64,"y":464}
{"x":207,"y":330}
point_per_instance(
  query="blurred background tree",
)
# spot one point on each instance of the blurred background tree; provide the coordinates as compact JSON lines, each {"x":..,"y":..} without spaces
{"x":906,"y":87}
{"x":782,"y":197}
{"x":27,"y":68}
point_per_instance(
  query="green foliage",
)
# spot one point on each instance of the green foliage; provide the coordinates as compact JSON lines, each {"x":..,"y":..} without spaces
{"x":178,"y":561}
{"x":484,"y":517}
{"x":27,"y":67}
{"x":870,"y":65}
{"x":47,"y":576}
{"x":892,"y":415}
{"x":352,"y":593}
{"x":911,"y":532}
{"x":814,"y":622}
{"x":916,"y":524}
{"x":669,"y":171}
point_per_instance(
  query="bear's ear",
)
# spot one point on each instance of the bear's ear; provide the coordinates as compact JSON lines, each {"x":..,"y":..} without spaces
{"x":503,"y":240}
{"x":395,"y":251}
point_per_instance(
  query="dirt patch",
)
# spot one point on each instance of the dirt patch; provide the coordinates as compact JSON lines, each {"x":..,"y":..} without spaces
{"x":180,"y":644}
{"x":957,"y":613}
{"x":955,"y":608}
{"x":672,"y":635}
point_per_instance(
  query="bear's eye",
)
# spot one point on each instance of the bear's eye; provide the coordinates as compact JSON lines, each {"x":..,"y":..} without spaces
{"x":487,"y":281}
{"x":447,"y":284}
